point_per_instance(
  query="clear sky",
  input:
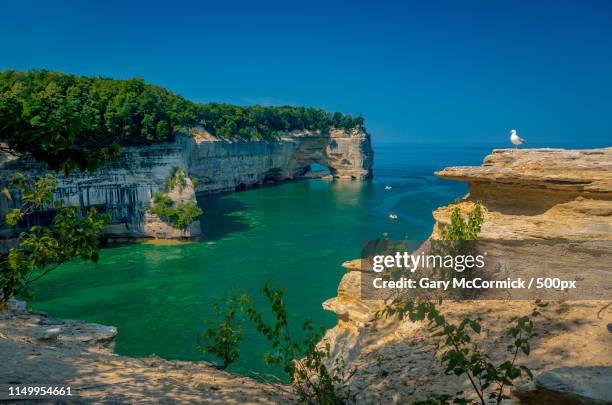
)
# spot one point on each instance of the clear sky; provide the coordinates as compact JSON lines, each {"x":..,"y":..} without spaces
{"x":425,"y":72}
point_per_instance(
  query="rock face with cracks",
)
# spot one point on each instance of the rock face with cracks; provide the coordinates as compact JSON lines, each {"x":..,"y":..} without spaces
{"x":124,"y":188}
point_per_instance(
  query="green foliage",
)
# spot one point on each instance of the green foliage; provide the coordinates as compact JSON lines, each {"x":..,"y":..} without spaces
{"x":302,"y":360}
{"x":180,"y":216}
{"x":461,"y":356}
{"x":459,"y":229}
{"x":222,"y":338}
{"x":178,"y":178}
{"x":41,"y":249}
{"x":70,"y":121}
{"x":257,"y":122}
{"x":459,"y":238}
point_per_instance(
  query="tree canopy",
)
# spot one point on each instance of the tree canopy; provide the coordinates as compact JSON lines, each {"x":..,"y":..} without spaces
{"x":73,"y":121}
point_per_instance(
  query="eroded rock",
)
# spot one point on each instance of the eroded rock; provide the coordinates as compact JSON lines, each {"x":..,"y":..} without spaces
{"x":570,"y":386}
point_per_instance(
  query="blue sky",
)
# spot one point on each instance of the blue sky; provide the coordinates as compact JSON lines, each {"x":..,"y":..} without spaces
{"x":431,"y":73}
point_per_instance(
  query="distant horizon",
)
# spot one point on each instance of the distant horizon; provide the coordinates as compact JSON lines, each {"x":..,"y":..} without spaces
{"x":451,"y":73}
{"x":498,"y":145}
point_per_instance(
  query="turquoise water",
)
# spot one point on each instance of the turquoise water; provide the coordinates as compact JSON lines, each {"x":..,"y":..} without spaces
{"x":294,"y":235}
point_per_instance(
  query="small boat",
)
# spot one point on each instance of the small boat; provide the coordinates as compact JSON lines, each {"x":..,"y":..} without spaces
{"x":388,"y":187}
{"x":392,"y":216}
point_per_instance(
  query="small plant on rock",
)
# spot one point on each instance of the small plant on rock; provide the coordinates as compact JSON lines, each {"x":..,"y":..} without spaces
{"x":178,"y":178}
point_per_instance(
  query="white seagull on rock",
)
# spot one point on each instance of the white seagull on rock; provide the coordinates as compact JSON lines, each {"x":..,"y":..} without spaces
{"x":515,"y":139}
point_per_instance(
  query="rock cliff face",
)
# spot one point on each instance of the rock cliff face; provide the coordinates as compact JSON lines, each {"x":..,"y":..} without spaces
{"x":125,"y":187}
{"x":227,"y":166}
{"x":526,"y":194}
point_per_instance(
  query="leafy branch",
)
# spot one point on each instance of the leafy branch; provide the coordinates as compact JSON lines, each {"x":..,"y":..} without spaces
{"x":462,"y":356}
{"x":41,"y":249}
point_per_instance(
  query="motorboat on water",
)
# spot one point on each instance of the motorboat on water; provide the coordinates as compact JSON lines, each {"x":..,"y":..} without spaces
{"x":392,"y":216}
{"x":388,"y":187}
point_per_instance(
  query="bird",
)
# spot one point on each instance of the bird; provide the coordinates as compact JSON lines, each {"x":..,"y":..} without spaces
{"x":515,"y":139}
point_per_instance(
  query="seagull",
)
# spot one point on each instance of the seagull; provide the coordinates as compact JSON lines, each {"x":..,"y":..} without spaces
{"x":515,"y":139}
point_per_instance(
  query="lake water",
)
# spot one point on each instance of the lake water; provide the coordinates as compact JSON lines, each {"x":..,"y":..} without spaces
{"x":294,"y":235}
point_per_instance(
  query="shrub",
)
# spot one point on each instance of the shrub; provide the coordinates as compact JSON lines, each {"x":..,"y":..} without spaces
{"x":180,"y":216}
{"x":461,"y":356}
{"x":222,"y":338}
{"x":459,"y":229}
{"x":302,"y":360}
{"x":178,"y":178}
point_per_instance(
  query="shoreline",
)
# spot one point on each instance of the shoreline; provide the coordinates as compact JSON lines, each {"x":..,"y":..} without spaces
{"x":77,"y":354}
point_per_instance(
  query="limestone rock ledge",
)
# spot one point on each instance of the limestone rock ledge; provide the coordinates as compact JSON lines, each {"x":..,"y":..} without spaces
{"x":35,"y":348}
{"x":540,"y":193}
{"x":526,"y":194}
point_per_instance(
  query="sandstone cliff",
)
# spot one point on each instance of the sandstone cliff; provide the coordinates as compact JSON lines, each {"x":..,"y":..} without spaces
{"x":124,"y":188}
{"x":526,"y":194}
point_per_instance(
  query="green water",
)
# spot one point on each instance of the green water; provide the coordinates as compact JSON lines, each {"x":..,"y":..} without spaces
{"x":294,"y":235}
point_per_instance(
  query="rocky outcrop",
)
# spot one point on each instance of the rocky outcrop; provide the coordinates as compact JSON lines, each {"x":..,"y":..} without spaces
{"x":569,"y":385}
{"x":124,"y":188}
{"x":36,"y":348}
{"x":540,"y":193}
{"x":526,"y":194}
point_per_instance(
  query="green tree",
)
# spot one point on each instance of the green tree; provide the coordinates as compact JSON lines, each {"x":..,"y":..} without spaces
{"x":222,"y":337}
{"x":72,"y":122}
{"x":41,"y":249}
{"x":303,"y":360}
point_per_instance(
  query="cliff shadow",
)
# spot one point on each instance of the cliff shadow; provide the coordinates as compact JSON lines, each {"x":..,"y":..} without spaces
{"x":219,"y":219}
{"x":523,"y":201}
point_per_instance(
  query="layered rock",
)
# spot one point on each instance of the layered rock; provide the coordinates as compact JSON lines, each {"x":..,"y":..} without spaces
{"x":223,"y":165}
{"x":540,"y":193}
{"x":526,"y":194}
{"x":124,"y":188}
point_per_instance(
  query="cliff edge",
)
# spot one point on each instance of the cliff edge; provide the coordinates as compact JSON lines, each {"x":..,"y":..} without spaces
{"x":526,"y":194}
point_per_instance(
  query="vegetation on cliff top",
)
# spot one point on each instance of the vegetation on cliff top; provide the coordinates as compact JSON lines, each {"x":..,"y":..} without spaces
{"x":72,"y":121}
